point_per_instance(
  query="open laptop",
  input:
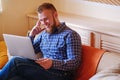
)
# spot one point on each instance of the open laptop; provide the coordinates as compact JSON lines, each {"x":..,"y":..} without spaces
{"x":19,"y":46}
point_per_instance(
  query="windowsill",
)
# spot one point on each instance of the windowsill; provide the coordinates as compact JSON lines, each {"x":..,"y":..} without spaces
{"x":93,"y":24}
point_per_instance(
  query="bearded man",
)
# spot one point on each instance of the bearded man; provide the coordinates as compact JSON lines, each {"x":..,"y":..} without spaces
{"x":59,"y":45}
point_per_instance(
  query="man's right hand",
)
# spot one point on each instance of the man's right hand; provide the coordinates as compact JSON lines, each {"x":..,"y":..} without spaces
{"x":36,"y":29}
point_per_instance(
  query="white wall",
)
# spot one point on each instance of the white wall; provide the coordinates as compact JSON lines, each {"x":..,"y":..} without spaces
{"x":91,"y":9}
{"x":13,"y":17}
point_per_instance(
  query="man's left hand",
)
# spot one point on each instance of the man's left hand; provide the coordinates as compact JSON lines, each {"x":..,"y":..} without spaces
{"x":44,"y":62}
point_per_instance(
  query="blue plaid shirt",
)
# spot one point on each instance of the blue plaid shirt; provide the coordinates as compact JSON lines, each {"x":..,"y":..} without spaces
{"x":63,"y":47}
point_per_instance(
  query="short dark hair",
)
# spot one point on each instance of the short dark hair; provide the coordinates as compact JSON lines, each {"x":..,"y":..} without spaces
{"x":48,"y":6}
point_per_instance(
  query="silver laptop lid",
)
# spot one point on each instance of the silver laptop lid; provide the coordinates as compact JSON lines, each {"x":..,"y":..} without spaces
{"x":19,"y":46}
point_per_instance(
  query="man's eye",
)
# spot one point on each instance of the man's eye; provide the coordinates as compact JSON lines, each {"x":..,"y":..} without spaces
{"x":46,"y":19}
{"x":41,"y":20}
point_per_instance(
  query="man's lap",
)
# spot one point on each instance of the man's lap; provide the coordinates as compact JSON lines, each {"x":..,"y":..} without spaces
{"x":30,"y":70}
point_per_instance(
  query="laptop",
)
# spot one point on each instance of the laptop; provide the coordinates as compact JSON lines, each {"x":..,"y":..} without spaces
{"x":19,"y":46}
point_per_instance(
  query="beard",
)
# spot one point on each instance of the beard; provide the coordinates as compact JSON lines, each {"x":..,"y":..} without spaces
{"x":52,"y":27}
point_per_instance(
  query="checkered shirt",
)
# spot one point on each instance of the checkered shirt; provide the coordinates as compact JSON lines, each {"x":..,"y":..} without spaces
{"x":63,"y":47}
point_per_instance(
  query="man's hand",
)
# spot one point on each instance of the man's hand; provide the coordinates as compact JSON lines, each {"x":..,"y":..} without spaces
{"x":46,"y":63}
{"x":36,"y":29}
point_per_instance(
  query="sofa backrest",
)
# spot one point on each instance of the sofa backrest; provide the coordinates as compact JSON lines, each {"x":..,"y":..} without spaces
{"x":90,"y":59}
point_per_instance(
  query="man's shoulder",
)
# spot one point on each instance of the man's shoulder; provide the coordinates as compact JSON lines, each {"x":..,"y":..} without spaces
{"x":70,"y":31}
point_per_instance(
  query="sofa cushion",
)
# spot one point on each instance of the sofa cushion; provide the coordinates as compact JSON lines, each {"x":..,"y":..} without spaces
{"x":3,"y":54}
{"x":109,"y":59}
{"x":111,"y":73}
{"x":106,"y":76}
{"x":90,"y":59}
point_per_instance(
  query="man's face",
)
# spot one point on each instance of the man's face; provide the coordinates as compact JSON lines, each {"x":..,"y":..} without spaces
{"x":47,"y":19}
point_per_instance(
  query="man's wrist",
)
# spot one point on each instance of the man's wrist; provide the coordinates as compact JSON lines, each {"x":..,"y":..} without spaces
{"x":29,"y":34}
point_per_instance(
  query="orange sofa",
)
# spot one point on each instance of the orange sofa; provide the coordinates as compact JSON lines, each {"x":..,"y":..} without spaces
{"x":3,"y":54}
{"x":90,"y":59}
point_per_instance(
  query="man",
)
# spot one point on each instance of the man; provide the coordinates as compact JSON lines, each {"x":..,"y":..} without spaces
{"x":60,"y":47}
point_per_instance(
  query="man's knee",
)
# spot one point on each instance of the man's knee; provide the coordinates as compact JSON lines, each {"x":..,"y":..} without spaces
{"x":22,"y":61}
{"x":16,"y":60}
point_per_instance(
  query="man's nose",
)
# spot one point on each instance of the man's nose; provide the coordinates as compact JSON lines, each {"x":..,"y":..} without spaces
{"x":43,"y":22}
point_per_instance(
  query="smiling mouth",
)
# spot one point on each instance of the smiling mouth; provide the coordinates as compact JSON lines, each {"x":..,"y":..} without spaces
{"x":48,"y":26}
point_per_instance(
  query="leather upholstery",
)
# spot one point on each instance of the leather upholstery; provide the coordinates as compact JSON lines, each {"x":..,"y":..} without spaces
{"x":90,"y":60}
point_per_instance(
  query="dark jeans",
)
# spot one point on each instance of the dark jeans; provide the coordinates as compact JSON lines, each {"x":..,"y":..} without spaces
{"x":25,"y":69}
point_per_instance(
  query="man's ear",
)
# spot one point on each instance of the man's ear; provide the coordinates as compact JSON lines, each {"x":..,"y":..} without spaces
{"x":55,"y":14}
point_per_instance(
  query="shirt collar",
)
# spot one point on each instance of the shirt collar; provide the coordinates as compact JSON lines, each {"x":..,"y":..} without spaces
{"x":60,"y":27}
